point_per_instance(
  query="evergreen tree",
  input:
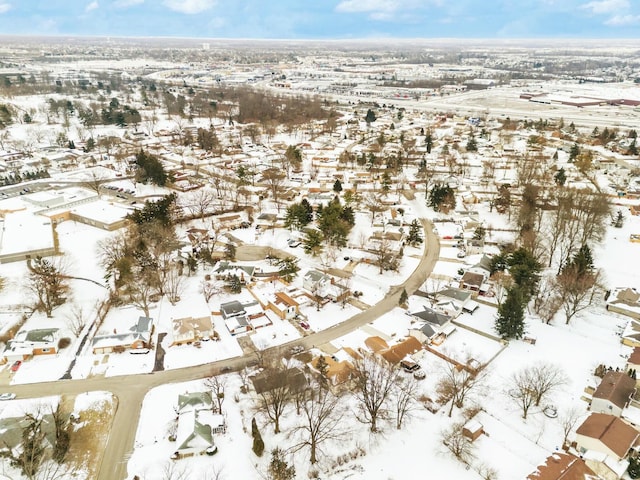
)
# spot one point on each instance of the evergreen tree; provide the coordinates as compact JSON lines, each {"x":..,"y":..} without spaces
{"x":634,"y":467}
{"x":279,"y":469}
{"x":337,"y":186}
{"x":428,"y":141}
{"x":442,"y":198}
{"x":574,"y":152}
{"x":323,"y":367}
{"x":414,"y":237}
{"x":258,"y":443}
{"x":560,"y":177}
{"x":618,"y":220}
{"x":403,"y":297}
{"x":582,"y":261}
{"x":312,"y":242}
{"x":370,"y":117}
{"x":525,"y":271}
{"x":510,"y":321}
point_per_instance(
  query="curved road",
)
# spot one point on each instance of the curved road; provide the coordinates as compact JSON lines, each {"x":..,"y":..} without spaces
{"x":130,"y":390}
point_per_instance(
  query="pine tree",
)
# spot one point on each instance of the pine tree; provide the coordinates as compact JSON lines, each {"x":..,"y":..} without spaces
{"x":258,"y":443}
{"x":337,"y":186}
{"x":279,"y":469}
{"x":510,"y":321}
{"x":403,"y":297}
{"x":560,"y":177}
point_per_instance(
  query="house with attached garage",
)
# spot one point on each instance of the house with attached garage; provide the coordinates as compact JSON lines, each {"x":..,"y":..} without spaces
{"x":137,"y":337}
{"x":613,"y":394}
{"x":431,"y":325}
{"x":605,"y":441}
{"x":189,"y":330}
{"x":196,"y":423}
{"x":453,"y":301}
{"x":28,"y":343}
{"x":625,"y":301}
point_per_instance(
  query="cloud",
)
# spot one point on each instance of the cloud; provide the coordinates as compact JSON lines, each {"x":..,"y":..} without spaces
{"x":623,"y":20}
{"x":126,"y":3}
{"x":600,"y":7}
{"x":4,"y":7}
{"x":382,"y":6}
{"x":189,"y":6}
{"x":92,"y":6}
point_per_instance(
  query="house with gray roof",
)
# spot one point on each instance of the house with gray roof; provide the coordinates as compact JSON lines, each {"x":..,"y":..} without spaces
{"x":196,"y":425}
{"x":137,"y":336}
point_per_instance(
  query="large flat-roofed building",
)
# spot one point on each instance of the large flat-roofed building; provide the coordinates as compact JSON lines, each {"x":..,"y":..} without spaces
{"x":24,"y":235}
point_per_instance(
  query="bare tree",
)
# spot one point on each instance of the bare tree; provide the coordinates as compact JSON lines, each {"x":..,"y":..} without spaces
{"x":94,"y":182}
{"x":461,"y":447}
{"x":175,"y":283}
{"x":175,"y":471}
{"x":274,"y":178}
{"x":76,"y":319}
{"x":322,"y":419}
{"x":210,"y":288}
{"x":386,"y":256}
{"x":217,"y":384}
{"x":200,"y":202}
{"x":273,"y":401}
{"x":48,"y":283}
{"x":458,"y":382}
{"x":531,"y":384}
{"x":568,"y":419}
{"x":404,"y":396}
{"x":374,"y":204}
{"x":374,"y":380}
{"x":577,"y":290}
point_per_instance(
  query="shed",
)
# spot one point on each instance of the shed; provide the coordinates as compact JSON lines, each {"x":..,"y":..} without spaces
{"x":472,"y":429}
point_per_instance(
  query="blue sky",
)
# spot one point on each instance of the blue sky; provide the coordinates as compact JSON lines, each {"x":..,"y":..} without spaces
{"x":325,"y":19}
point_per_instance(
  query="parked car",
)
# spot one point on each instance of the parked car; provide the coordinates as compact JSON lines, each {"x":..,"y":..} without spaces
{"x":7,"y":396}
{"x":419,"y":375}
{"x":305,"y":325}
{"x":461,"y":254}
{"x":16,"y":365}
{"x":293,"y":243}
{"x":409,"y":366}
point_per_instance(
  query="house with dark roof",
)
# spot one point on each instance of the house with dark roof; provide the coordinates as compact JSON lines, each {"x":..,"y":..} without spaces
{"x":12,"y":428}
{"x":454,"y":301}
{"x":633,"y":363}
{"x":472,"y":281}
{"x":292,"y":379}
{"x":563,"y":466}
{"x":613,"y":394}
{"x":433,"y":323}
{"x":606,"y":434}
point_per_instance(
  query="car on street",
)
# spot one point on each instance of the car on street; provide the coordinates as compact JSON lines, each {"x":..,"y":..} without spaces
{"x":16,"y":365}
{"x":7,"y":396}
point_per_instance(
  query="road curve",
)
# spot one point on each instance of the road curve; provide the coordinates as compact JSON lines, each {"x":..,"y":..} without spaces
{"x":130,"y":390}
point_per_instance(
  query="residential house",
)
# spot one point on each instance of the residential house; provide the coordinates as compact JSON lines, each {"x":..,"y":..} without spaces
{"x":189,"y":329}
{"x":292,"y":379}
{"x":613,"y":394}
{"x":225,"y":270}
{"x":454,"y":301}
{"x":28,"y":343}
{"x":283,"y":305}
{"x":138,"y":336}
{"x":237,"y":315}
{"x":196,"y":423}
{"x":474,"y":246}
{"x":376,"y":344}
{"x":625,"y":301}
{"x":394,"y":354}
{"x":323,"y":286}
{"x":340,"y":368}
{"x":604,"y":441}
{"x":434,"y":324}
{"x":631,"y":334}
{"x":563,"y":466}
{"x":472,"y":281}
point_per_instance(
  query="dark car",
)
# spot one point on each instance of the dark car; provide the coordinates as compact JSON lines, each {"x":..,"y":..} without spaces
{"x":16,"y":366}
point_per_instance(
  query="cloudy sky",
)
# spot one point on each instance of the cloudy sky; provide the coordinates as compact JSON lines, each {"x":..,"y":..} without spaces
{"x":317,"y":19}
